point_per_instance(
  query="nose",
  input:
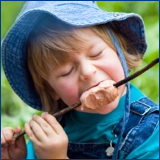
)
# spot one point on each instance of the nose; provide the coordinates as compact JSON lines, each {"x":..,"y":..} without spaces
{"x":87,"y":70}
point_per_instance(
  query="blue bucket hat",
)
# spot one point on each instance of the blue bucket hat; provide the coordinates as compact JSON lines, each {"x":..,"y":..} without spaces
{"x":69,"y":13}
{"x":74,"y":13}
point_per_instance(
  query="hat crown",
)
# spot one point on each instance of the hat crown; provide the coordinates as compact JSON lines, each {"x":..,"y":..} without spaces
{"x":38,"y":4}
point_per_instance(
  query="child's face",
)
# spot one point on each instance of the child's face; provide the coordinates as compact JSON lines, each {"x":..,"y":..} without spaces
{"x":87,"y":68}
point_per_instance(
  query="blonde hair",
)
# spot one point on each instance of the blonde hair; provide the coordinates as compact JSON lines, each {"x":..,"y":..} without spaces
{"x":48,"y":48}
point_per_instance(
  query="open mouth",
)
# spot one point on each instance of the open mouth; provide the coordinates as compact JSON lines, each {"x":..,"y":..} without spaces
{"x":94,"y":85}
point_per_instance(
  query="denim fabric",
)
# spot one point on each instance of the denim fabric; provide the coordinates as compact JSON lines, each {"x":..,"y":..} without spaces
{"x":143,"y":119}
{"x":88,"y":151}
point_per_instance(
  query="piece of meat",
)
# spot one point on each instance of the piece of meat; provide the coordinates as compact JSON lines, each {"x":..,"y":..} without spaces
{"x":100,"y":95}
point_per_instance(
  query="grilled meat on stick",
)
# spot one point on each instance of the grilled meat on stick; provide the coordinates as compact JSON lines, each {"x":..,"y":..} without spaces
{"x":100,"y":95}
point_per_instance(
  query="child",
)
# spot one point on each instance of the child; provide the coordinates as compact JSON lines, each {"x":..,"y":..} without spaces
{"x":55,"y":53}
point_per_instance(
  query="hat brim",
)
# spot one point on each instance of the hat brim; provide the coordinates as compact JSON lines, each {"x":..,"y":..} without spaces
{"x":14,"y":56}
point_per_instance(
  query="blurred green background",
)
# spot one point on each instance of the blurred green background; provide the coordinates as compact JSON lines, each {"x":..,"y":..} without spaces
{"x":16,"y":113}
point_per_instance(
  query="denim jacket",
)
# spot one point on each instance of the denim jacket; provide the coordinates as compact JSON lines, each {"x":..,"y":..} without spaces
{"x":143,"y":119}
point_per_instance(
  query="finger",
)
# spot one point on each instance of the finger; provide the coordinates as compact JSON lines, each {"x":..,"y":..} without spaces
{"x":8,"y":134}
{"x":3,"y":141}
{"x":45,"y":126}
{"x":20,"y":141}
{"x":37,"y":131}
{"x":17,"y":130}
{"x":30,"y":134}
{"x":5,"y":145}
{"x":54,"y":123}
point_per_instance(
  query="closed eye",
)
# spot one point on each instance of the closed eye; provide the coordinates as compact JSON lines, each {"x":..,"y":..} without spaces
{"x":67,"y":73}
{"x":96,"y":55}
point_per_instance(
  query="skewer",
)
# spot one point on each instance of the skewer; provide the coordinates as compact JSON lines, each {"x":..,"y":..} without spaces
{"x":136,"y":73}
{"x":65,"y":110}
{"x":57,"y":114}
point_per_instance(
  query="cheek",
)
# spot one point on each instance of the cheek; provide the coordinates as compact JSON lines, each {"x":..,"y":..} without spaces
{"x":68,"y":92}
{"x":112,"y":66}
{"x":114,"y":72}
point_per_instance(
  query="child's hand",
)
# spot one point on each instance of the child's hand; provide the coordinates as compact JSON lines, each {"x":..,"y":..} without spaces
{"x":11,"y":148}
{"x":49,"y":139}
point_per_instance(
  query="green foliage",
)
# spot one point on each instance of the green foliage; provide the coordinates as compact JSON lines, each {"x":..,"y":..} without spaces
{"x":16,"y":113}
{"x":9,"y":12}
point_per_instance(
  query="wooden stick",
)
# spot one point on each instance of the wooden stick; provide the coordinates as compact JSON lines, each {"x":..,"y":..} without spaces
{"x":57,"y":114}
{"x":136,"y":73}
{"x":65,"y":110}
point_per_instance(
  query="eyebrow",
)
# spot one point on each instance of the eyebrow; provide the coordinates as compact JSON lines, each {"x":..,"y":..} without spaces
{"x":92,"y":47}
